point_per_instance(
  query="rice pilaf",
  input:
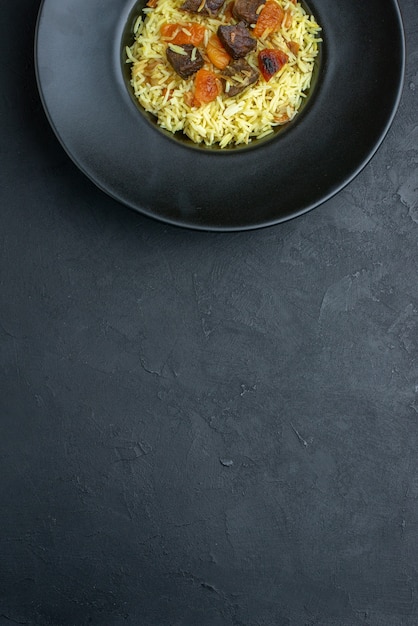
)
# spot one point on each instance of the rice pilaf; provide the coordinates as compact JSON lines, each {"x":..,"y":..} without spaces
{"x":227,"y":120}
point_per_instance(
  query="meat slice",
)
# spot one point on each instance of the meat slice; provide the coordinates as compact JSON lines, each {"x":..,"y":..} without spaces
{"x":236,"y":40}
{"x":237,"y":76}
{"x":203,"y":7}
{"x":185,"y":63}
{"x":246,"y":10}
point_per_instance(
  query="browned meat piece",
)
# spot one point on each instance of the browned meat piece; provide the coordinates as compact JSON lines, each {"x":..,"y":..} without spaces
{"x":204,"y":7}
{"x":246,"y":10}
{"x":237,"y":76}
{"x":185,"y":63}
{"x":236,"y":40}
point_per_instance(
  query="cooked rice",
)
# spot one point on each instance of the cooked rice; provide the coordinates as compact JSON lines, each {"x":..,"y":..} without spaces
{"x":227,"y":120}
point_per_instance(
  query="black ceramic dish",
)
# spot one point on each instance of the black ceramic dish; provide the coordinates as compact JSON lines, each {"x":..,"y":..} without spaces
{"x":85,"y":92}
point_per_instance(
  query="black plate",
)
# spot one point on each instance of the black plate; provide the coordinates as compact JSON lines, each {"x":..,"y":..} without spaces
{"x":84,"y":90}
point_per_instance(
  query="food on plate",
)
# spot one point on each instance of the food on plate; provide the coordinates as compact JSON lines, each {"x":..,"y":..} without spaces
{"x":237,"y":76}
{"x":185,"y":59}
{"x":270,"y":62}
{"x":247,"y":10}
{"x":223,"y":71}
{"x":237,"y":40}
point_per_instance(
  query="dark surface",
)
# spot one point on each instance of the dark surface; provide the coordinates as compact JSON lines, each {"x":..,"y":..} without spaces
{"x":338,"y":128}
{"x":204,"y":429}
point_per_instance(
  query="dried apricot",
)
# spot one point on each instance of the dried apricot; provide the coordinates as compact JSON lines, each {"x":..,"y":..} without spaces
{"x":179,"y":34}
{"x":269,"y":20}
{"x":217,"y":53}
{"x":207,"y":86}
{"x":271,"y":61}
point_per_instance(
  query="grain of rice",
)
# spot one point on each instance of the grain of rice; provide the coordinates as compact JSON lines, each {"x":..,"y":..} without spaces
{"x":177,"y":49}
{"x":138,"y":23}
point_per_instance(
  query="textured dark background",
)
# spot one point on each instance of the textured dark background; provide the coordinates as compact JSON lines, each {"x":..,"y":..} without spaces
{"x":204,"y":429}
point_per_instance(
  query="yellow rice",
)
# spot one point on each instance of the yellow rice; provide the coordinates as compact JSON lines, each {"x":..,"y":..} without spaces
{"x":227,"y":120}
